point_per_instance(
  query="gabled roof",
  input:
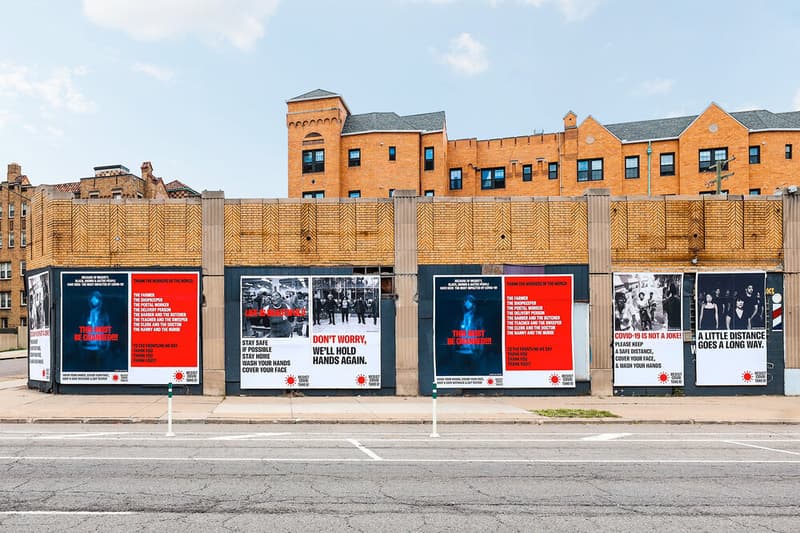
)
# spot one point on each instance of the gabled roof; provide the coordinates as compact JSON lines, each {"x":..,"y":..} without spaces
{"x":643,"y":130}
{"x":394,"y":122}
{"x":671,"y":128}
{"x":316,"y":94}
{"x":174,"y":187}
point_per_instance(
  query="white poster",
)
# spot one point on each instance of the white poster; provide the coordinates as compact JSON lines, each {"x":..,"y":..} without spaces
{"x":648,"y":336}
{"x":731,"y":344}
{"x":310,"y":332}
{"x":39,"y":327}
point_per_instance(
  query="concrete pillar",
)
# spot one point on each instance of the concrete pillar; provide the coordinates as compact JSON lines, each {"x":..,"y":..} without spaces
{"x":791,"y":293}
{"x":213,"y":310}
{"x":405,"y":271}
{"x":600,"y":308}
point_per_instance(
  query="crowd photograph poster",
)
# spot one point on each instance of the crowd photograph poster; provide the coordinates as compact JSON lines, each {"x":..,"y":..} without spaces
{"x":503,"y":331}
{"x":648,"y":332}
{"x":39,"y":327}
{"x":304,"y":332}
{"x":731,"y":346}
{"x":130,"y":327}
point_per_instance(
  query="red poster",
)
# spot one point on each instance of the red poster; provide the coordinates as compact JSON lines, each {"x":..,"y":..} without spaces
{"x":164,"y":319}
{"x":538,"y":322}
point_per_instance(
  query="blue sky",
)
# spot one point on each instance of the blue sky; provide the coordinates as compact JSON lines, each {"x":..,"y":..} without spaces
{"x":199,"y":87}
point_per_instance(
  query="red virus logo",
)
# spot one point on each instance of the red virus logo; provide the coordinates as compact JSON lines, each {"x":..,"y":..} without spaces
{"x":663,"y":377}
{"x":179,"y":375}
{"x":290,"y":380}
{"x":747,"y":376}
{"x":490,"y":381}
{"x":554,"y":379}
{"x":115,"y":377}
{"x":44,"y":373}
{"x":361,"y":380}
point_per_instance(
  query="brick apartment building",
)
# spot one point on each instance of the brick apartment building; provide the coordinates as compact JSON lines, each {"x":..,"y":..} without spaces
{"x":109,"y":182}
{"x":334,"y":153}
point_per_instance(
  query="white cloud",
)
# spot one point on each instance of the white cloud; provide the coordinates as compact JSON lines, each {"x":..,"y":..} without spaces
{"x":58,"y":91}
{"x":572,"y":10}
{"x":466,"y":56}
{"x":796,"y":101}
{"x":240,"y":22}
{"x":657,"y":86}
{"x":154,"y":71}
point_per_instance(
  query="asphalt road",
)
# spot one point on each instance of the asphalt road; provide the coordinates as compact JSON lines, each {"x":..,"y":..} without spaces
{"x":397,"y":478}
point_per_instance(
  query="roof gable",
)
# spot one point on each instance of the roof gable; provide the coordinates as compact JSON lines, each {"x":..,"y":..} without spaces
{"x":316,"y":94}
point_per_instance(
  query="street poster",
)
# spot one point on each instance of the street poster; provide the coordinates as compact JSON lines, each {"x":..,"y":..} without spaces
{"x":648,"y":332}
{"x":503,"y":331}
{"x":39,"y":327}
{"x":130,"y":327}
{"x":731,"y":346}
{"x":310,"y":332}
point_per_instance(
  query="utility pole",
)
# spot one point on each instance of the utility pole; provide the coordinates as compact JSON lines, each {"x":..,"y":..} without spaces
{"x":718,"y":167}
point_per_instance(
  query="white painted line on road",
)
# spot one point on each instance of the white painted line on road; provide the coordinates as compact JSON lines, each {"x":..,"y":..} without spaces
{"x":367,"y":451}
{"x":81,"y":513}
{"x":81,"y":435}
{"x":405,"y":461}
{"x":606,"y":436}
{"x":248,"y":437}
{"x":762,"y":447}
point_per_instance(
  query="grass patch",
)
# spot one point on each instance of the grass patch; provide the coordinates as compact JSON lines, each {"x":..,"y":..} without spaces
{"x":575,"y":413}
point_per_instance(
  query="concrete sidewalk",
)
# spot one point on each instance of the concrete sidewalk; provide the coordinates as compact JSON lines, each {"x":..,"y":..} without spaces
{"x":18,"y":404}
{"x":14,"y":354}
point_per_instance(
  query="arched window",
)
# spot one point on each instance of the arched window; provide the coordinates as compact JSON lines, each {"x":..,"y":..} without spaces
{"x":313,"y":138}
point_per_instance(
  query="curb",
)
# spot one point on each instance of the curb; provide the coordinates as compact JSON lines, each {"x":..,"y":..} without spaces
{"x":391,"y":421}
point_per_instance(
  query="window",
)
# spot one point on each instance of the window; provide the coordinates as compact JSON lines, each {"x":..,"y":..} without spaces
{"x":552,"y":171}
{"x":23,"y":267}
{"x":10,"y":239}
{"x":4,"y":321}
{"x":391,"y":193}
{"x":455,"y":179}
{"x":755,"y":155}
{"x":710,"y":156}
{"x":632,"y":167}
{"x":23,"y":321}
{"x":23,"y":298}
{"x":668,"y":164}
{"x":429,"y":192}
{"x":392,"y":153}
{"x":429,"y":158}
{"x":754,"y":192}
{"x":23,"y":238}
{"x":23,"y":209}
{"x":787,"y":154}
{"x":707,"y":193}
{"x":313,"y":161}
{"x":5,"y":301}
{"x":10,"y":210}
{"x":493,"y":178}
{"x":354,"y":194}
{"x":527,"y":172}
{"x":5,"y":270}
{"x":313,"y":194}
{"x":590,"y":169}
{"x":354,"y":158}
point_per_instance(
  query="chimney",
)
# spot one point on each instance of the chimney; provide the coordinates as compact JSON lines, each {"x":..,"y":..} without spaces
{"x":147,"y":170}
{"x":570,"y":120}
{"x":14,"y":171}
